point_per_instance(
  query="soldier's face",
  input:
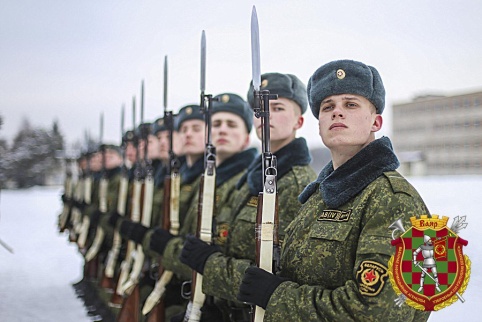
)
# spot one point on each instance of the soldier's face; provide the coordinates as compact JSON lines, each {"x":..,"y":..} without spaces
{"x":130,"y":152}
{"x":348,"y":121}
{"x":192,"y":137}
{"x":285,"y":118}
{"x":153,"y":147}
{"x":229,"y":134}
{"x":96,"y":162}
{"x":163,"y":137}
{"x":112,"y":159}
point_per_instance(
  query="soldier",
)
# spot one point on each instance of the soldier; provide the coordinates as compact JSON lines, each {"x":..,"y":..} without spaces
{"x":335,"y":256}
{"x":222,"y":270}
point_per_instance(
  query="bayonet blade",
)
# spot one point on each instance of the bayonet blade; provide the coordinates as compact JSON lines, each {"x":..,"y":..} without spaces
{"x":133,"y":113}
{"x":101,"y":131}
{"x":255,"y":56}
{"x":165,"y":82}
{"x":203,"y":62}
{"x":122,"y":119}
{"x":142,"y":102}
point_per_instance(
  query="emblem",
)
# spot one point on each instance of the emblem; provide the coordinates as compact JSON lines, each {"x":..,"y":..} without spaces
{"x":429,"y":270}
{"x":371,"y":277}
{"x":264,"y":83}
{"x":189,"y":110}
{"x":225,"y":98}
{"x":160,"y":122}
{"x":340,"y":73}
{"x":223,"y":230}
{"x":130,"y":135}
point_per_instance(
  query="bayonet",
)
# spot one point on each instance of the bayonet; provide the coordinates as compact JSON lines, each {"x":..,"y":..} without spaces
{"x":255,"y":52}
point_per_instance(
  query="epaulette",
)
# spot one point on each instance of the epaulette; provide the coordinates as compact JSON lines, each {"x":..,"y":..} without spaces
{"x":399,"y":183}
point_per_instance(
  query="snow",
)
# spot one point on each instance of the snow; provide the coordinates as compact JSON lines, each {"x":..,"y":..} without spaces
{"x":35,"y":281}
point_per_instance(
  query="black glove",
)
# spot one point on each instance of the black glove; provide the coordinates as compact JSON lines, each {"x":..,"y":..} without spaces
{"x":114,"y":218}
{"x":94,"y":218}
{"x":133,"y":231}
{"x":178,"y":317}
{"x":159,"y":239}
{"x":64,"y":198}
{"x":257,"y":286}
{"x":195,"y":253}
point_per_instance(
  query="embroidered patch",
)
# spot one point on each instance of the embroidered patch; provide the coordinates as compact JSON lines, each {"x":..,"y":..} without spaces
{"x":252,"y":202}
{"x":335,"y":215}
{"x":371,"y":277}
{"x":223,"y":230}
{"x":186,"y":188}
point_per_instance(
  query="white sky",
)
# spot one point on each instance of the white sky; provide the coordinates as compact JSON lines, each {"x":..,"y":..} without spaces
{"x":71,"y":60}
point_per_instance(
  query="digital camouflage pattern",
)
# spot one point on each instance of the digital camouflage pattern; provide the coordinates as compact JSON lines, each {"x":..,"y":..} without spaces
{"x":223,"y":272}
{"x":222,"y":209}
{"x":336,"y":259}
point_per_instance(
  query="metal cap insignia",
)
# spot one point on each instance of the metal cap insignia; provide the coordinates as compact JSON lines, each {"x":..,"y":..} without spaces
{"x":340,"y":73}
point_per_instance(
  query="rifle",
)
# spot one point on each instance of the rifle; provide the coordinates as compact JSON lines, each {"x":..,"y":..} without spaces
{"x":267,"y":243}
{"x":78,"y":198}
{"x":87,"y":198}
{"x":68,"y":193}
{"x":130,"y":288}
{"x":154,"y":305}
{"x":206,"y":194}
{"x":108,"y":278}
{"x":135,"y":215}
{"x":103,"y":186}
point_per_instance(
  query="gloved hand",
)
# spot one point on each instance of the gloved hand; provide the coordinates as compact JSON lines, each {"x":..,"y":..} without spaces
{"x":159,"y":239}
{"x":114,"y":218}
{"x":195,"y":253}
{"x":133,"y":231}
{"x":257,"y":286}
{"x":94,"y":218}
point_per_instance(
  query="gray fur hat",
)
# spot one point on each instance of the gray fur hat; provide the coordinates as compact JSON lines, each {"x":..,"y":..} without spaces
{"x":346,"y":77}
{"x":232,"y":103}
{"x":188,"y":112}
{"x":285,"y":85}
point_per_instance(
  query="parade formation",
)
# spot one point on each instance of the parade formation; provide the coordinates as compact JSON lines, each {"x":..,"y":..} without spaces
{"x":184,"y":221}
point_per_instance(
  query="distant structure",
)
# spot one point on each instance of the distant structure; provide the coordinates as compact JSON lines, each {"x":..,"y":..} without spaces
{"x":439,"y":135}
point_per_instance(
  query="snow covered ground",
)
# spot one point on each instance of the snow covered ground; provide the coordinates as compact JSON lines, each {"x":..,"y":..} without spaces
{"x":35,"y":281}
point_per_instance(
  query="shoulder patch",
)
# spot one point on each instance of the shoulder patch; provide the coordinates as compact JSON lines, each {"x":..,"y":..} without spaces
{"x":252,"y":202}
{"x":371,"y":277}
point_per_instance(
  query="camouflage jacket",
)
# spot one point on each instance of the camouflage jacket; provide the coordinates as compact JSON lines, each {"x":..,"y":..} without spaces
{"x":227,"y":175}
{"x":339,"y":235}
{"x":223,"y":271}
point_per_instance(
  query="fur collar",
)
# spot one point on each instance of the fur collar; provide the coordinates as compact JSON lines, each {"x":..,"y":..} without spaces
{"x":295,"y":153}
{"x":188,"y":175}
{"x":234,"y":165}
{"x":339,"y":186}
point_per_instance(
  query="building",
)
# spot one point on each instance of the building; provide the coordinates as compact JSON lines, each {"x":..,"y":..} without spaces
{"x":439,"y":135}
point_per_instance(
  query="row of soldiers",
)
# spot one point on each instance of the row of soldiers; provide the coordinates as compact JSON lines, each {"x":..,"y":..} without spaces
{"x":140,"y":258}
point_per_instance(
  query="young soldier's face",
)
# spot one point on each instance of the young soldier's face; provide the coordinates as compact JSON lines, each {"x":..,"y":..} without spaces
{"x":229,"y":134}
{"x":348,"y":120}
{"x":153,"y":147}
{"x":163,"y":137}
{"x":112,"y":159}
{"x":130,"y":152}
{"x":192,"y":134}
{"x":96,"y":162}
{"x":284,"y":117}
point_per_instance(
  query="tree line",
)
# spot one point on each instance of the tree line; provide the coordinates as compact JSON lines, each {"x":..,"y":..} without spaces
{"x":32,"y":157}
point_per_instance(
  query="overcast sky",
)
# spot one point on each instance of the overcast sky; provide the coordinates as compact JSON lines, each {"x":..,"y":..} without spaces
{"x":71,"y":60}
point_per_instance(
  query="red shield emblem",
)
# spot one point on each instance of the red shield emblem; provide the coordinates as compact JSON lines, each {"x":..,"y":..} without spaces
{"x":429,"y":267}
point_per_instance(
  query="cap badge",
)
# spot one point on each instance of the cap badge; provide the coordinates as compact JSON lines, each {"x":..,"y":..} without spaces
{"x":340,"y":73}
{"x":225,"y":98}
{"x":160,"y":122}
{"x":264,"y":83}
{"x":189,"y":110}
